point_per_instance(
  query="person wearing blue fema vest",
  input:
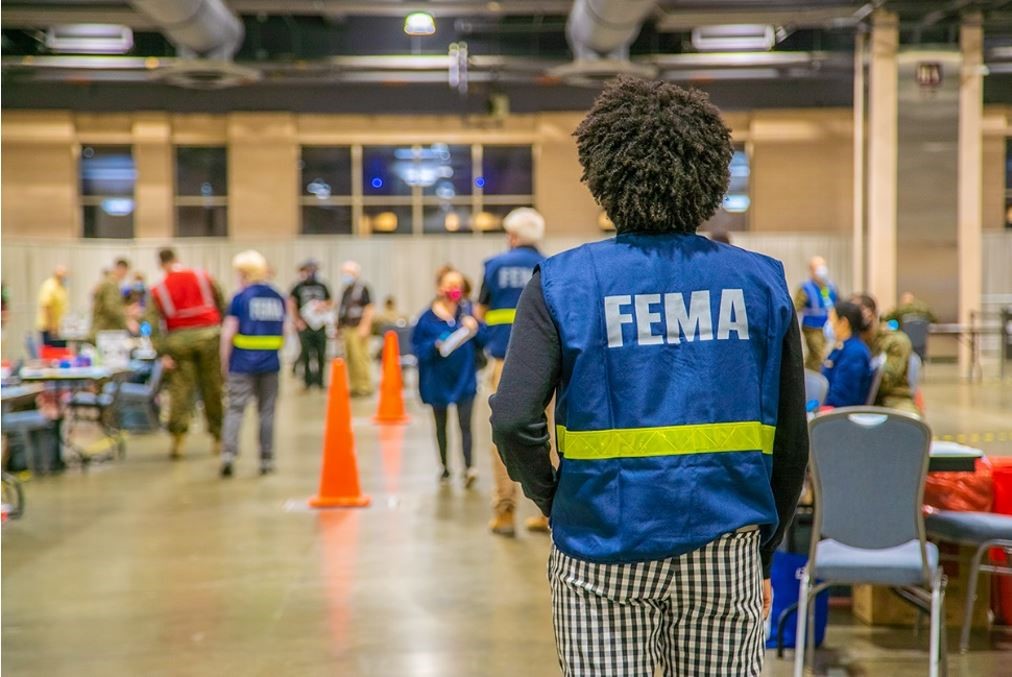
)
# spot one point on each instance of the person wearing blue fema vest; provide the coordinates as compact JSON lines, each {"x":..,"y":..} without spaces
{"x":677,"y":369}
{"x":251,"y":336}
{"x":504,"y":278}
{"x":814,"y":299}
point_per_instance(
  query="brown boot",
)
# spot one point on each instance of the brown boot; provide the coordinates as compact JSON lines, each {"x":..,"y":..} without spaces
{"x":539,"y":524}
{"x":176,"y":448}
{"x":501,"y":523}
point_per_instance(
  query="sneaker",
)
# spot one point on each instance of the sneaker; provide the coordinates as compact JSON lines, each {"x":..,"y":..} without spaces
{"x":470,"y":477}
{"x":266,"y":467}
{"x":226,"y":469}
{"x":538,"y":524}
{"x":501,"y":523}
{"x":444,"y":478}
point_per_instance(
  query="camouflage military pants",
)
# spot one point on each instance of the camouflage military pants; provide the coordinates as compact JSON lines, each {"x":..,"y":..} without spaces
{"x":815,"y":344}
{"x":198,"y":370}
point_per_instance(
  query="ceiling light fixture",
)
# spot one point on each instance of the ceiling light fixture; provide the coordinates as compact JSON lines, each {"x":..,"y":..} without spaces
{"x":734,"y":37}
{"x":419,"y":23}
{"x":90,"y":39}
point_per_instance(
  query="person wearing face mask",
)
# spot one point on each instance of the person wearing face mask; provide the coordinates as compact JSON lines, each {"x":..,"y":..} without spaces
{"x":894,"y":391}
{"x":848,"y":367}
{"x":354,"y":320}
{"x":445,"y":340}
{"x":308,"y":302}
{"x":813,"y":301}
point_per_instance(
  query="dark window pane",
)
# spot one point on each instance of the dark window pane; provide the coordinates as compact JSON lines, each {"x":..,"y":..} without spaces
{"x":445,"y":171}
{"x":326,"y":171}
{"x":508,"y":170}
{"x":387,"y":220}
{"x":386,"y":170}
{"x":201,"y":171}
{"x":490,"y":220}
{"x":107,"y":170}
{"x":326,"y":220}
{"x":113,"y":218}
{"x":202,"y":221}
{"x":446,"y":218}
{"x":733,"y":212}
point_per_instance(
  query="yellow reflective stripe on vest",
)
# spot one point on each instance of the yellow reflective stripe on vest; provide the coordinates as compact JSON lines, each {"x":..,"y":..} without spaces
{"x":500,"y":316}
{"x":247,"y":342}
{"x":676,"y":440}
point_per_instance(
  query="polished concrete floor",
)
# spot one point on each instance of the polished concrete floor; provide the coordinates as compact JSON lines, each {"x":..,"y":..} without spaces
{"x":149,"y":567}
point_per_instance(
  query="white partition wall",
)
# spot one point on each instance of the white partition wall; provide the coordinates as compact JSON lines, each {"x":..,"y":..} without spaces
{"x":401,"y":266}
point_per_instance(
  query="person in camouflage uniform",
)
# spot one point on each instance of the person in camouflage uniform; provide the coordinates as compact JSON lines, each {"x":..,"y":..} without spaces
{"x":910,"y":305}
{"x":894,"y":392}
{"x":190,"y":353}
{"x":813,"y":301}
{"x":109,"y":310}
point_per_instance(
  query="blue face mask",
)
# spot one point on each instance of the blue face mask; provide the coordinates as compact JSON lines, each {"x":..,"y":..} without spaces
{"x":347,"y":280}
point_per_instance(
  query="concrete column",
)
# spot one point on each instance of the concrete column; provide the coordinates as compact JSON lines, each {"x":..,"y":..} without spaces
{"x":882,"y":140}
{"x":970,"y":216}
{"x":263,"y":176}
{"x":154,"y":191}
{"x":857,"y":271}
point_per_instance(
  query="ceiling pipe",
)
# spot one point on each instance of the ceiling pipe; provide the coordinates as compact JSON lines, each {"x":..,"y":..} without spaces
{"x":604,"y":29}
{"x":198,"y":28}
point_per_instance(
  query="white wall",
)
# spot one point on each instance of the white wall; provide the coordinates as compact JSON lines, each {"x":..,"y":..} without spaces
{"x":402,"y":266}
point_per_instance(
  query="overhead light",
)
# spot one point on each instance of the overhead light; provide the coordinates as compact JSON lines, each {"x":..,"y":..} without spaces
{"x":90,"y":39}
{"x":419,"y":23}
{"x":734,"y":38}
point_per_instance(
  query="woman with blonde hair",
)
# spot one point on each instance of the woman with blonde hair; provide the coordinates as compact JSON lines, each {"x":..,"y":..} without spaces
{"x":251,"y":336}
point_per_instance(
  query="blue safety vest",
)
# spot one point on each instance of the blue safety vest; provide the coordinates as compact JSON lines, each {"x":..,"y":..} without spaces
{"x":505,"y":277}
{"x":671,"y":351}
{"x":820,"y":299}
{"x":261,"y":314}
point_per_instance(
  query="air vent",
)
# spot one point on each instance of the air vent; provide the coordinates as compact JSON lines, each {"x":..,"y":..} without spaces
{"x":206,"y":74}
{"x":592,"y":72}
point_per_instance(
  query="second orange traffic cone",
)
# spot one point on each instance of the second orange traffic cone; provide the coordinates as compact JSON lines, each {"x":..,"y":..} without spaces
{"x":391,"y":399}
{"x":339,"y":487}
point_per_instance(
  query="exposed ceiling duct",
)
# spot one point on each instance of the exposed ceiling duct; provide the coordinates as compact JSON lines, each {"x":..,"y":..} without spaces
{"x":599,"y":33}
{"x":207,"y":35}
{"x":198,"y":28}
{"x":604,"y":29}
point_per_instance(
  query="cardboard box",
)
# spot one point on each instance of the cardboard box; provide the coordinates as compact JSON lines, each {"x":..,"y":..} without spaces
{"x":876,"y":605}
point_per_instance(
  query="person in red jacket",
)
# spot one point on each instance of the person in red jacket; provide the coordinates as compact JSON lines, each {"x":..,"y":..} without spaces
{"x":188,"y":307}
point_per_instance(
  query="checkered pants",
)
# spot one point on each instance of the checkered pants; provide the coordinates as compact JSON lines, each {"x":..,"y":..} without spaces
{"x":696,"y":614}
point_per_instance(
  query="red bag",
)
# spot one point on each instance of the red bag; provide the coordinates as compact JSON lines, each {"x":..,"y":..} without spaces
{"x":1001,"y":586}
{"x":963,"y":491}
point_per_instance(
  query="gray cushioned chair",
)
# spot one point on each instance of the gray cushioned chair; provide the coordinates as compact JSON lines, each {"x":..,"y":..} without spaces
{"x":868,"y":466}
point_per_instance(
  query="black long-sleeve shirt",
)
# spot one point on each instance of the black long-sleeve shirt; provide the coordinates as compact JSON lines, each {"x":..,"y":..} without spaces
{"x":531,"y":374}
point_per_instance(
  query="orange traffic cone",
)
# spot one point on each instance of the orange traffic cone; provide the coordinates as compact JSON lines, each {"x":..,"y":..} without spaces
{"x":391,"y":399}
{"x":339,"y":486}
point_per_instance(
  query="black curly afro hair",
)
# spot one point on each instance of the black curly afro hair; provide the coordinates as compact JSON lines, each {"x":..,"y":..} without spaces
{"x":655,"y":156}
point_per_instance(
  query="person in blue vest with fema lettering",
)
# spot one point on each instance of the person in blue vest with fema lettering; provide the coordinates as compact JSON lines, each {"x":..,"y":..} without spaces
{"x":814,"y":299}
{"x":251,"y":336}
{"x":505,"y":277}
{"x":677,"y":369}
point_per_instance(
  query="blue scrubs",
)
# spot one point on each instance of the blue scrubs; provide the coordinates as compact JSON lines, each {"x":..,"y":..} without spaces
{"x":848,"y":370}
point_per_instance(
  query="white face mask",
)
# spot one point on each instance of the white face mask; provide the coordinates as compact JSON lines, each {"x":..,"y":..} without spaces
{"x":827,"y":329}
{"x":822,"y":273}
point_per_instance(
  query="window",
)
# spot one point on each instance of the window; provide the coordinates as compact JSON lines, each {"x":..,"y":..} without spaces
{"x":201,"y":191}
{"x":433,"y":188}
{"x":733,"y":212}
{"x":326,"y":190}
{"x":108,"y":176}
